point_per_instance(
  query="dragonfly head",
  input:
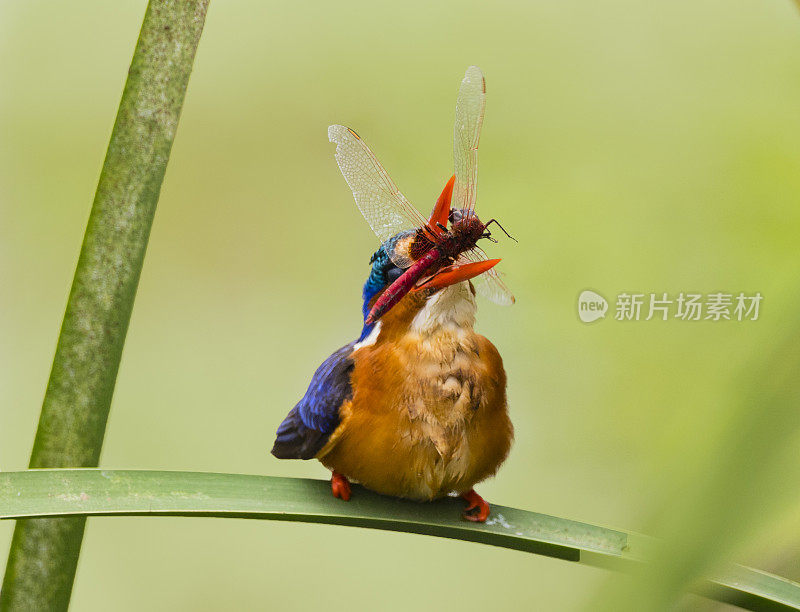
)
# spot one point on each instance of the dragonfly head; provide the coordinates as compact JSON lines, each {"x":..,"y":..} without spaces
{"x":468,"y":220}
{"x":466,"y":229}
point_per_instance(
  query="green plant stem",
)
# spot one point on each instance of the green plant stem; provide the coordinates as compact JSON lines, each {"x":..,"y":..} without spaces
{"x":92,"y":492}
{"x":44,"y":554}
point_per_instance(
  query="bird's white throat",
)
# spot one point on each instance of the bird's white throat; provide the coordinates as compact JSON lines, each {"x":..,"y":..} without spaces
{"x":451,"y":308}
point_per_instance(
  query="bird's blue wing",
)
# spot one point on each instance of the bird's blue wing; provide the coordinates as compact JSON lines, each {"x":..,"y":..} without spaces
{"x":307,"y":427}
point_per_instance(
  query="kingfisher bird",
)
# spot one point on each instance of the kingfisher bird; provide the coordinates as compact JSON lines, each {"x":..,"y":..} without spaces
{"x":415,"y":407}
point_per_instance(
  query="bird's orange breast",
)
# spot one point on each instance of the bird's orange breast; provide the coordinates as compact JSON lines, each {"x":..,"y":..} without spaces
{"x":427,"y":417}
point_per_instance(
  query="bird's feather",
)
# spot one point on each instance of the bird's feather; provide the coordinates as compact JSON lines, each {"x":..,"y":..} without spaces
{"x":307,"y":427}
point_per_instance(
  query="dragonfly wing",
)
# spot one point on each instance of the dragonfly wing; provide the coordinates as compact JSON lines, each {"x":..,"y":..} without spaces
{"x":470,"y":106}
{"x":489,"y":284}
{"x":386,"y":209}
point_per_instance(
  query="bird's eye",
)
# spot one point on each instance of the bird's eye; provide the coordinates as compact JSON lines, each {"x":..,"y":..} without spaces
{"x":392,"y":274}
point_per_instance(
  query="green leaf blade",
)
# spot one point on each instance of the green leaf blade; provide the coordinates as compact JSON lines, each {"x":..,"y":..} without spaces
{"x":94,"y":492}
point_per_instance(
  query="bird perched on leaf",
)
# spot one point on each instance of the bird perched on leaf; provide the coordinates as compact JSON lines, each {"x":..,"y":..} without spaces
{"x":415,"y":407}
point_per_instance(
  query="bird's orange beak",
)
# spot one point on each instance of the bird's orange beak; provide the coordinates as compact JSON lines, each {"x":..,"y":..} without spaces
{"x":441,"y":210}
{"x":456,"y":273}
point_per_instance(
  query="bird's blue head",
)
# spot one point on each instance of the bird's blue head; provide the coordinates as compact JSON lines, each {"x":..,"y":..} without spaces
{"x":383,"y":273}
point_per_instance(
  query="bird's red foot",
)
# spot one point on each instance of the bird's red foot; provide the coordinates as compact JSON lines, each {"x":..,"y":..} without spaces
{"x":477,"y":509}
{"x":340,"y":486}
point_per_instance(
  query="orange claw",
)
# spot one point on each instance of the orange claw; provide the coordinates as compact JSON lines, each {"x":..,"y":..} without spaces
{"x":340,"y":486}
{"x":477,"y":509}
{"x":441,"y":210}
{"x":457,"y":273}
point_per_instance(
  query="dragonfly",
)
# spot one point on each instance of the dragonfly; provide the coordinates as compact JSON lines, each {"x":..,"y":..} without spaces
{"x":432,"y":254}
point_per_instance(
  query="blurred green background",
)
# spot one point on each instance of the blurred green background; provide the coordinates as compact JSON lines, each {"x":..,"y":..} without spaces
{"x":630,"y":146}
